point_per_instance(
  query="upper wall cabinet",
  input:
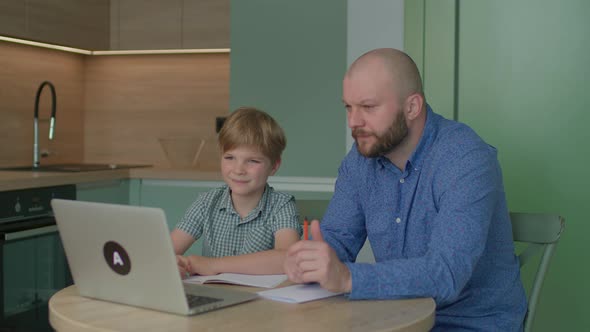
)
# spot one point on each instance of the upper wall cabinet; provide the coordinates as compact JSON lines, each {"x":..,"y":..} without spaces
{"x":169,"y":24}
{"x":12,"y":18}
{"x":205,"y":24}
{"x":81,"y":24}
{"x":119,"y":24}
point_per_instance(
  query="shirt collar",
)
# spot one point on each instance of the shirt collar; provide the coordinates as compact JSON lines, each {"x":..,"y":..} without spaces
{"x":417,"y":157}
{"x":226,"y":203}
{"x":428,"y":135}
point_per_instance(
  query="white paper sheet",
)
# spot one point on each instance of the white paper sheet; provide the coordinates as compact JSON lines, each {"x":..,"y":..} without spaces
{"x":297,"y":293}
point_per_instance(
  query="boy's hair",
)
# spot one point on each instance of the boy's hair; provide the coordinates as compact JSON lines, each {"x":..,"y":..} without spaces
{"x":249,"y":126}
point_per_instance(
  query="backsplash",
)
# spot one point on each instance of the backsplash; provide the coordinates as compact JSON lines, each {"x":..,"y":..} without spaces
{"x":22,"y":69}
{"x":110,"y":109}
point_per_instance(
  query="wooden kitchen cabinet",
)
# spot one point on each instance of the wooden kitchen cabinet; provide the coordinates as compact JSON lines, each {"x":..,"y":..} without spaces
{"x":119,"y":24}
{"x":205,"y":24}
{"x":13,"y":18}
{"x":81,"y":24}
{"x":169,"y":24}
{"x":143,"y":25}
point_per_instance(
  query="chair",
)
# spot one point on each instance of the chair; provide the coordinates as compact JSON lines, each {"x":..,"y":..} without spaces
{"x":311,"y":208}
{"x":541,"y":232}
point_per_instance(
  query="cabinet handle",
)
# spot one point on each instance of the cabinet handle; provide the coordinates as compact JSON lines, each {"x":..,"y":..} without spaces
{"x":26,"y":233}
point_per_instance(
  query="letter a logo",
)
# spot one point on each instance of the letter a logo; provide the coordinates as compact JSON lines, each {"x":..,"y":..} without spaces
{"x":116,"y":258}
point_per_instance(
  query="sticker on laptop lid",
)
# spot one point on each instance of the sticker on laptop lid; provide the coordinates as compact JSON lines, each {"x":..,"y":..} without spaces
{"x":117,"y":258}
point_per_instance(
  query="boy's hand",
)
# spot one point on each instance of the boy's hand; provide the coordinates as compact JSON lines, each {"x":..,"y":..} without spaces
{"x":202,"y":265}
{"x":184,"y":266}
{"x":316,"y":261}
{"x":194,"y":264}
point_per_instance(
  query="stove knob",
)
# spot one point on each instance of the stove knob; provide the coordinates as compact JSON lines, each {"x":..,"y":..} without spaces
{"x":17,"y":207}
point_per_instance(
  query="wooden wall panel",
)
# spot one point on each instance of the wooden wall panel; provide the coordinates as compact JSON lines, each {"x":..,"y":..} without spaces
{"x":22,"y":69}
{"x":110,"y":109}
{"x":131,"y":101}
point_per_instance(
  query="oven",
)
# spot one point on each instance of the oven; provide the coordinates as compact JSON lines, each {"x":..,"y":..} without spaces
{"x":32,"y":262}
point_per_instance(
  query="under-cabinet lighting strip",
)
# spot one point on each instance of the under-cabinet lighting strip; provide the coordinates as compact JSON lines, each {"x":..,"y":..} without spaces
{"x":177,"y":51}
{"x":121,"y":52}
{"x":44,"y":45}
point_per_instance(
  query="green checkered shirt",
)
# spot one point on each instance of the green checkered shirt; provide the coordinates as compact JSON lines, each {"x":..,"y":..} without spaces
{"x":225,"y":233}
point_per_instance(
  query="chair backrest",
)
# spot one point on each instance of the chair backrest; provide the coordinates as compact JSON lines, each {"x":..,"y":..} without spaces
{"x":541,"y":232}
{"x":312,"y":208}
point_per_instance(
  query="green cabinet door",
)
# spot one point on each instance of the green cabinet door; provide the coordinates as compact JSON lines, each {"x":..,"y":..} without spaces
{"x":521,"y":83}
{"x":112,"y":191}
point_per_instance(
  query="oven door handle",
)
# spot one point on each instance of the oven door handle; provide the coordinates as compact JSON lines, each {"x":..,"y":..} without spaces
{"x":30,"y":233}
{"x":27,"y":230}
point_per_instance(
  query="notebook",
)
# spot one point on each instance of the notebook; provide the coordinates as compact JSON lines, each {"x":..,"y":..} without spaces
{"x":124,"y":254}
{"x":262,"y":280}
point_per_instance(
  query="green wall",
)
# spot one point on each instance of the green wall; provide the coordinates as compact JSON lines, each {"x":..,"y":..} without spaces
{"x":429,"y":37}
{"x":522,"y":84}
{"x":288,"y":58}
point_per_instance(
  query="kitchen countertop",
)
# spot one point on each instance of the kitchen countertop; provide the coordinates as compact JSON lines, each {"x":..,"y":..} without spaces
{"x":173,"y":174}
{"x":14,"y":180}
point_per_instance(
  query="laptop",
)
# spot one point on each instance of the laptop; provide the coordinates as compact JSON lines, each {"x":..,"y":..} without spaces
{"x":124,"y":254}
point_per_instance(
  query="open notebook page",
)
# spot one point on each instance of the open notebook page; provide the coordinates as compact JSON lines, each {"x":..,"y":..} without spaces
{"x":264,"y":281}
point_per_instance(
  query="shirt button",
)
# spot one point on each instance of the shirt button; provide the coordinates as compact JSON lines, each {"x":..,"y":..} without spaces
{"x":398,"y":220}
{"x":401,"y":180}
{"x":235,"y":252}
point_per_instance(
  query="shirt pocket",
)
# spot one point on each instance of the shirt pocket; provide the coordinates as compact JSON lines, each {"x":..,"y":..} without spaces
{"x":257,"y":239}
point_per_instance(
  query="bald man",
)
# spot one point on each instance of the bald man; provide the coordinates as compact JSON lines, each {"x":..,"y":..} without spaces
{"x":427,"y":192}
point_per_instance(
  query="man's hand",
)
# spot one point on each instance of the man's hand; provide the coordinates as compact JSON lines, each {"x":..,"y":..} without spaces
{"x":316,"y":261}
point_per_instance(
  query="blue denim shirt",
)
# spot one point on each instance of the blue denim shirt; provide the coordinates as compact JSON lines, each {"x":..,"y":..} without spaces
{"x":440,"y":228}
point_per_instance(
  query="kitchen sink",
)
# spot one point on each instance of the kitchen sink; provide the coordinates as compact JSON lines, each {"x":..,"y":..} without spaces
{"x":71,"y":167}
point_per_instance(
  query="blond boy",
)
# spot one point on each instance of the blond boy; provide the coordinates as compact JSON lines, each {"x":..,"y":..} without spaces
{"x":246,"y":226}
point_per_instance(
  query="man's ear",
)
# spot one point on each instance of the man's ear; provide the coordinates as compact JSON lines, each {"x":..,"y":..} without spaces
{"x":413,"y":106}
{"x":275,"y":167}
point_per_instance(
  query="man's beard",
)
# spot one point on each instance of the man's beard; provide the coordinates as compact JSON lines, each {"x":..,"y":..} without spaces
{"x":392,"y":137}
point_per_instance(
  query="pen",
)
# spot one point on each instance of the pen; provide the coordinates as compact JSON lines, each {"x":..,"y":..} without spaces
{"x":305,"y":229}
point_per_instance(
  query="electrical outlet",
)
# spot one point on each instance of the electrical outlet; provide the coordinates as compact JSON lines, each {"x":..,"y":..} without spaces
{"x":219,"y":120}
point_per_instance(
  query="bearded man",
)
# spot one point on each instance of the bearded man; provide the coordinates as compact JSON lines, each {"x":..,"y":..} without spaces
{"x":428,"y":194}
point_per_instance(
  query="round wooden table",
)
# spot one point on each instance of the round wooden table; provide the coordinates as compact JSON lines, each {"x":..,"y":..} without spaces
{"x":70,"y":312}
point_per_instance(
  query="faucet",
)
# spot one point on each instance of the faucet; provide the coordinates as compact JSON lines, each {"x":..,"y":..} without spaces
{"x":36,"y":120}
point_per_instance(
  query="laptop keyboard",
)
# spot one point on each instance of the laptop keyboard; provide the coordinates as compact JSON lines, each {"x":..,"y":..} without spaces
{"x":196,"y":300}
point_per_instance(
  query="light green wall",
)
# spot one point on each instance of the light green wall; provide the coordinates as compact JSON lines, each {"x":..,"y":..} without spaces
{"x":430,"y":41}
{"x":414,"y":31}
{"x":439,"y":55}
{"x":288,"y":58}
{"x":523,"y":86}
